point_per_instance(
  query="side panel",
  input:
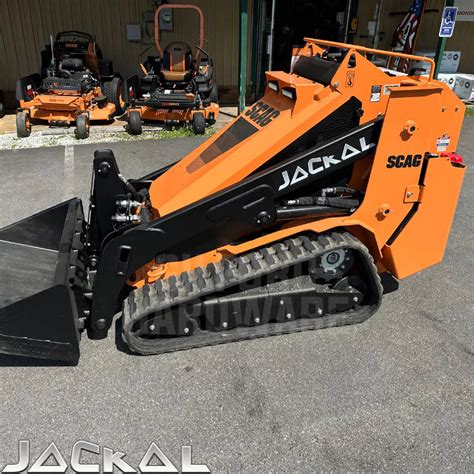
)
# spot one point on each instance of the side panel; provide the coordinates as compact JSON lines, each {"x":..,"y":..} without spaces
{"x":416,"y":119}
{"x":423,"y":240}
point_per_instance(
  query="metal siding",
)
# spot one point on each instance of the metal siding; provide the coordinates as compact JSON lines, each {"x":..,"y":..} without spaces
{"x":25,"y":26}
{"x":365,"y":13}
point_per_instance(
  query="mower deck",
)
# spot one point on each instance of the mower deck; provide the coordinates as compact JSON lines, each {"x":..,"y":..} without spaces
{"x":64,"y":109}
{"x":172,"y":111}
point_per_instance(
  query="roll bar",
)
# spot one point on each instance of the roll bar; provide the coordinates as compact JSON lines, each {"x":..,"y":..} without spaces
{"x":364,"y":50}
{"x":181,"y":7}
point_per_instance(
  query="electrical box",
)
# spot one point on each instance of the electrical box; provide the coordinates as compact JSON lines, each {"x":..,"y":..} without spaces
{"x":464,"y":86}
{"x":449,"y":62}
{"x":149,"y":16}
{"x":448,"y":78}
{"x":166,"y":19}
{"x":134,"y":33}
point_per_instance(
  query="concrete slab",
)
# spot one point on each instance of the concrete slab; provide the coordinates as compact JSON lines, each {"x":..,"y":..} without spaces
{"x":393,"y":394}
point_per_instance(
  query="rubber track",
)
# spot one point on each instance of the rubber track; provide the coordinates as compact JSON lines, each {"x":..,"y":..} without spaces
{"x":202,"y":281}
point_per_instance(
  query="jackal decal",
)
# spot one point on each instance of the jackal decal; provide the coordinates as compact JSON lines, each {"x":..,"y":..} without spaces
{"x":319,"y":163}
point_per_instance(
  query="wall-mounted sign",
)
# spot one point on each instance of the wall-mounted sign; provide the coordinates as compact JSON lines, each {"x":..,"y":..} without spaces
{"x":465,"y":10}
{"x":448,"y":21}
{"x":353,"y":26}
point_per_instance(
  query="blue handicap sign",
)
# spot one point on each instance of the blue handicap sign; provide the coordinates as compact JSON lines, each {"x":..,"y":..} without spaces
{"x":447,"y":22}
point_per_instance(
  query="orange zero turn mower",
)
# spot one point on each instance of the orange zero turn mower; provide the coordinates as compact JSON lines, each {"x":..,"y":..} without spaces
{"x":298,"y":215}
{"x":176,"y":86}
{"x":76,"y":85}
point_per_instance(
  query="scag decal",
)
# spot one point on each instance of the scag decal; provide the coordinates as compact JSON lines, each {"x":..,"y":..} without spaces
{"x":320,"y":163}
{"x":262,"y":114}
{"x":402,"y":161}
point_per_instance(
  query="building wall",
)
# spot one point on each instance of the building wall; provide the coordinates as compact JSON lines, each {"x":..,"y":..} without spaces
{"x":462,"y":39}
{"x":25,"y":26}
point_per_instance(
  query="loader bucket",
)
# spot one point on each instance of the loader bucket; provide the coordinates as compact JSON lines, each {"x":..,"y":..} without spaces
{"x":40,"y":284}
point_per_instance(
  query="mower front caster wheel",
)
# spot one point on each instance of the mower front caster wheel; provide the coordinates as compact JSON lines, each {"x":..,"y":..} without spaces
{"x":134,"y":123}
{"x":82,"y":127}
{"x":23,"y":124}
{"x":199,"y":123}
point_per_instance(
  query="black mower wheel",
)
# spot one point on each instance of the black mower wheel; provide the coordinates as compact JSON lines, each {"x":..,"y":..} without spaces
{"x":214,"y":93}
{"x":2,"y":109}
{"x":199,"y":123}
{"x":134,"y":123}
{"x":82,"y":127}
{"x":113,"y":91}
{"x":23,"y":124}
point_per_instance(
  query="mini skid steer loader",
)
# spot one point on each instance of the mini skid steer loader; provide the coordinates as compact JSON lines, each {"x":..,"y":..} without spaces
{"x":76,"y":84}
{"x":341,"y":177}
{"x":176,"y":86}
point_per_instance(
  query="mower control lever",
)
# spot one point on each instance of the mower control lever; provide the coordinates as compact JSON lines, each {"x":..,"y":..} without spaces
{"x":203,"y":51}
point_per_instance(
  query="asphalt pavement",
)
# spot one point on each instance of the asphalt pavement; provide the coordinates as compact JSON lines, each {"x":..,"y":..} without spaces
{"x":394,"y":393}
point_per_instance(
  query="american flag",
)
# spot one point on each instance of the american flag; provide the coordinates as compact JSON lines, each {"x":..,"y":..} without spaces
{"x":404,"y":37}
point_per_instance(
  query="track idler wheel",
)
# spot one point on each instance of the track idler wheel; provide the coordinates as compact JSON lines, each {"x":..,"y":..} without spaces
{"x":23,"y":124}
{"x":332,"y":265}
{"x":82,"y":127}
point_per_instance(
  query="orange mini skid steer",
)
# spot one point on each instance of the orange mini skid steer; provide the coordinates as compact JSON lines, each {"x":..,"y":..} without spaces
{"x":296,"y":216}
{"x":176,"y":86}
{"x":76,"y":84}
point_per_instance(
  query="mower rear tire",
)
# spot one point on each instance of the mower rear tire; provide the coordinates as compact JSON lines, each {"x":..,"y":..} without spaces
{"x":2,"y":109}
{"x":113,"y":91}
{"x":23,"y":124}
{"x":214,"y":93}
{"x":199,"y":123}
{"x":82,"y":127}
{"x":134,"y":123}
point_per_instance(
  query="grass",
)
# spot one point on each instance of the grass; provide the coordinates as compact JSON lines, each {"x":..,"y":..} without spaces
{"x":183,"y":132}
{"x":11,"y":142}
{"x":470,"y":111}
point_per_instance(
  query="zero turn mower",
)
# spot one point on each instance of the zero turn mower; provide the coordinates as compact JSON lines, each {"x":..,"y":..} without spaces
{"x":341,"y":178}
{"x":76,"y":84}
{"x":176,"y":87}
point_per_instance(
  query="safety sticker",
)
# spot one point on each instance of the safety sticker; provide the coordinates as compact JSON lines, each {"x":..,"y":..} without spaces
{"x":350,"y":78}
{"x":442,"y":142}
{"x":375,"y":93}
{"x":386,"y":88}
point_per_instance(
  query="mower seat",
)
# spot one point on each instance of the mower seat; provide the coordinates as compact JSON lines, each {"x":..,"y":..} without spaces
{"x":177,"y":63}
